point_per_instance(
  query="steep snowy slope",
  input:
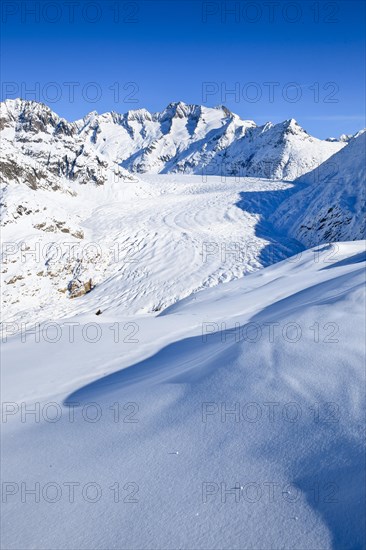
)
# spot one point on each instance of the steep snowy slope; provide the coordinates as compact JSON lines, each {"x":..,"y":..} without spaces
{"x":183,"y":138}
{"x":234,"y":420}
{"x":330,"y":204}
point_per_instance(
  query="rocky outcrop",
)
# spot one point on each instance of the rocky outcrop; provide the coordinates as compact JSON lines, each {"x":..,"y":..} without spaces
{"x":78,"y":288}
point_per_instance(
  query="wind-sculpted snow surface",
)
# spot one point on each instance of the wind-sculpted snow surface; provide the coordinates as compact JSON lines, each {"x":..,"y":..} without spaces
{"x":232,"y":420}
{"x":331,"y":202}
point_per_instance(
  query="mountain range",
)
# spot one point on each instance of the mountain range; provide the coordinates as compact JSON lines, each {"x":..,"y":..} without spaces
{"x":189,"y":139}
{"x":163,"y":188}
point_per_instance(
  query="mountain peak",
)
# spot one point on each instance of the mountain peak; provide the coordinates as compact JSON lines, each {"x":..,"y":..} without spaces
{"x":225,"y":110}
{"x":176,"y":105}
{"x":138,"y":114}
{"x":20,"y":105}
{"x":291,"y":126}
{"x":32,"y":116}
{"x":291,"y":123}
{"x":179,"y":109}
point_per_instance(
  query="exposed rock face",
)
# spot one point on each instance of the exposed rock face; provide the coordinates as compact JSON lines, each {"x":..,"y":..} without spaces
{"x":194,"y":139}
{"x":77,"y":288}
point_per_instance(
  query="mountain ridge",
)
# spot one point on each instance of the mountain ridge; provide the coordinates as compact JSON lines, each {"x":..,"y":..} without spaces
{"x":183,"y":138}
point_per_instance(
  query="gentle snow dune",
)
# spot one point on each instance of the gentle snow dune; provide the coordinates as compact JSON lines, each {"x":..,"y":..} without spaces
{"x":292,"y":458}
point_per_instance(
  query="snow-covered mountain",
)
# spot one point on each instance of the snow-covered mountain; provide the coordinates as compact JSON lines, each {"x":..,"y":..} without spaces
{"x":75,"y":220}
{"x":331,"y":202}
{"x":45,"y":151}
{"x":191,"y":139}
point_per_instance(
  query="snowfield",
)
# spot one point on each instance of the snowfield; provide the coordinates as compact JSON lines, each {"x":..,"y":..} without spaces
{"x":234,"y":419}
{"x":145,"y":243}
{"x":183,"y":359}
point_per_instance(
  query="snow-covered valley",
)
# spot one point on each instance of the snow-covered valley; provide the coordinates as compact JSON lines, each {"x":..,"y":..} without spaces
{"x":75,"y":220}
{"x":182,"y":347}
{"x":145,"y":245}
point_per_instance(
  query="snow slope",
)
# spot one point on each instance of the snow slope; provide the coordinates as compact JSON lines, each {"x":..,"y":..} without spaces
{"x":154,"y":408}
{"x":330,"y":204}
{"x":282,"y":347}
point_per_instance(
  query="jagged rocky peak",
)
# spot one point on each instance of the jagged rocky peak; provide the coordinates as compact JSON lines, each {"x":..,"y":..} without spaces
{"x":226,"y":111}
{"x":34,"y":117}
{"x":88,"y":120}
{"x":288,"y":131}
{"x":25,"y":107}
{"x":91,"y":116}
{"x":179,"y":109}
{"x":139,"y":115}
{"x":291,"y":126}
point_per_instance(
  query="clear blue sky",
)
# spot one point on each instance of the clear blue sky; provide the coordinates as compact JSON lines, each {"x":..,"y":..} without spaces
{"x":300,"y":59}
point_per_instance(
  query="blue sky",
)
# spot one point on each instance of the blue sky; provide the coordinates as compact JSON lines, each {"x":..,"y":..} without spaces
{"x":265,"y":60}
